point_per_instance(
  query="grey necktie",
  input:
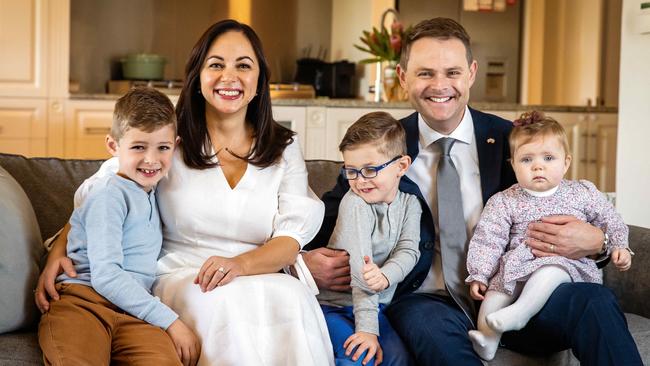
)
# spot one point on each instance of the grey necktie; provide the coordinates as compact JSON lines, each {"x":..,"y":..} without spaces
{"x":453,"y":231}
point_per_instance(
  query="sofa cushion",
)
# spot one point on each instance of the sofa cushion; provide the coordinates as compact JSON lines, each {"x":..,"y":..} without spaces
{"x":50,"y":184}
{"x":21,"y":249}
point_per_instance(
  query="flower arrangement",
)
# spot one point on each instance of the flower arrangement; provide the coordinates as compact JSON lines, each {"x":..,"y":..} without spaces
{"x":384,"y":46}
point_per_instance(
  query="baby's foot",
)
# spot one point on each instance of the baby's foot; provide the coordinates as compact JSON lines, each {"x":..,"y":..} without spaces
{"x":486,"y":347}
{"x":505,"y":320}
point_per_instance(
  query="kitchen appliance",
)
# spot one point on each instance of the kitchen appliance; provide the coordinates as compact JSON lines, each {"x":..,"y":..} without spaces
{"x":143,"y":66}
{"x":330,"y":79}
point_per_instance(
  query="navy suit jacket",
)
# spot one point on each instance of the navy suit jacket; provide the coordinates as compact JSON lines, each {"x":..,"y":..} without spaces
{"x":496,"y":175}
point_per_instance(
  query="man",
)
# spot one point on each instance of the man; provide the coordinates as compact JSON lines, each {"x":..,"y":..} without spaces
{"x":432,"y":310}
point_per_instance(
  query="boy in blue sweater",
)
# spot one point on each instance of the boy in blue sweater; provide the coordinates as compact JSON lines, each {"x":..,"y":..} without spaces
{"x":107,"y":314}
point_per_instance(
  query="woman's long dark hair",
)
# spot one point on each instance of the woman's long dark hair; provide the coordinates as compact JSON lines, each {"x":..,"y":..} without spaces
{"x":269,"y":137}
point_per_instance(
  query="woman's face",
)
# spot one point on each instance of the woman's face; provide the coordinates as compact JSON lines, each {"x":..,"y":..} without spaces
{"x":229,"y":75}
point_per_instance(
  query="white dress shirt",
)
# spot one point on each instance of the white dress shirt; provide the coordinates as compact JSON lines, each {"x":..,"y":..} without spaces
{"x":423,"y":172}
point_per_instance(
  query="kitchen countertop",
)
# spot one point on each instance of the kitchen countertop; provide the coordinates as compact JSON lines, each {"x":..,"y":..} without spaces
{"x":360,"y":103}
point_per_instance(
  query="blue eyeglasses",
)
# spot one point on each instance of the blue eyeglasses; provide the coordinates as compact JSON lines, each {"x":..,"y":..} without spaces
{"x":367,"y":172}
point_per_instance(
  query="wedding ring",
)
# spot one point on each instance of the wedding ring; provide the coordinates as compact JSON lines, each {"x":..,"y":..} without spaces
{"x":552,"y":248}
{"x":222,"y":270}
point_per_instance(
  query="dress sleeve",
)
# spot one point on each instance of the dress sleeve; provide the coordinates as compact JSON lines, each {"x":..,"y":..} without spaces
{"x":108,"y":167}
{"x":490,"y":240}
{"x":602,"y":214}
{"x":406,"y":252}
{"x":103,"y":218}
{"x":300,"y":211}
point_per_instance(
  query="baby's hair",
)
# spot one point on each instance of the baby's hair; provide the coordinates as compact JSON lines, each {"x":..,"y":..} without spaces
{"x":535,"y":124}
{"x":379,"y":129}
{"x":146,"y":109}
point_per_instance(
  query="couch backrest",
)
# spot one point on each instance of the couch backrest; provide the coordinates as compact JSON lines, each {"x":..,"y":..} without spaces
{"x":50,"y":183}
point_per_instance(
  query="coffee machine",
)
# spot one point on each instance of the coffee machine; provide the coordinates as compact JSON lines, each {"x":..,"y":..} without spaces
{"x":330,"y":79}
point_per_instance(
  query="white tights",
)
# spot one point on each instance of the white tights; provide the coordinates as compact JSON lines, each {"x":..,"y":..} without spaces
{"x":495,"y":316}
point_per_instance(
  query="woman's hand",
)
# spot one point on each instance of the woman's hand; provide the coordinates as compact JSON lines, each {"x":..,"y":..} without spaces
{"x":57,"y":262}
{"x":375,"y":279}
{"x":363,"y":341}
{"x":477,"y":290}
{"x":218,"y":271}
{"x":565,"y":236}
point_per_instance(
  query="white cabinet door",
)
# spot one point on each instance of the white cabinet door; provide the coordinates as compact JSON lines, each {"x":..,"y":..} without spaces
{"x":294,"y":119}
{"x":338,"y":120}
{"x":23,"y":126}
{"x":87,"y":124}
{"x":23,"y":36}
{"x":603,"y":132}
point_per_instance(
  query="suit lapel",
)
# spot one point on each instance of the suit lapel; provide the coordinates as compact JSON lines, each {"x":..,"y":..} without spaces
{"x":489,"y":148}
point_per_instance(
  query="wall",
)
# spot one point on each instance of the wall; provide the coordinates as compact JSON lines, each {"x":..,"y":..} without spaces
{"x":102,"y":32}
{"x":633,"y":169}
{"x":495,"y":39}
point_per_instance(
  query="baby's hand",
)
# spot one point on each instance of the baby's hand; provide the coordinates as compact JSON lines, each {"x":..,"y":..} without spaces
{"x":186,"y":342}
{"x":622,"y":259}
{"x":364,"y":341}
{"x":476,"y":290}
{"x":375,"y":280}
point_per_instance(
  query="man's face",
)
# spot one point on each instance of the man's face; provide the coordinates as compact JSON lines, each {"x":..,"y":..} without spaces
{"x":437,"y":79}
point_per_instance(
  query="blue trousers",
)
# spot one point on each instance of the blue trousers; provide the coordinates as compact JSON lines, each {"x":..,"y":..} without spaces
{"x":584,"y":317}
{"x":340,"y":324}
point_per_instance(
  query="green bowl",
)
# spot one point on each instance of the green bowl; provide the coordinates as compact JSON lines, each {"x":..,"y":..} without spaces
{"x":143,"y":66}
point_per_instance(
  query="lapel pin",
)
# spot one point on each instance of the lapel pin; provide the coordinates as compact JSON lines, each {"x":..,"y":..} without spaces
{"x":490,"y":140}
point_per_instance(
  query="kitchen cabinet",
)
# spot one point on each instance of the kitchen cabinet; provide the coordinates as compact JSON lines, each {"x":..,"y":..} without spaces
{"x":34,"y":38}
{"x":293,"y":118}
{"x":87,"y":124}
{"x":23,"y":126}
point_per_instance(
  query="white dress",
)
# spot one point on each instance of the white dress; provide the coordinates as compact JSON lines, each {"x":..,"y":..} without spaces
{"x":270,"y":319}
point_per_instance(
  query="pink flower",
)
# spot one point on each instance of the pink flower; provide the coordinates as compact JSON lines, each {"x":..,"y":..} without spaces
{"x":396,"y":43}
{"x":396,"y":28}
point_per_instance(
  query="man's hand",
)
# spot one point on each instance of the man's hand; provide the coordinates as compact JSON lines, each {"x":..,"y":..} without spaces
{"x":373,"y":276}
{"x":565,"y":236}
{"x":622,"y":259}
{"x":330,"y":268}
{"x":363,"y":341}
{"x":477,"y":290}
{"x":186,"y":342}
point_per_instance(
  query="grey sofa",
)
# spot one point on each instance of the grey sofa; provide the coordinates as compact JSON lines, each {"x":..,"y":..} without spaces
{"x":50,"y":183}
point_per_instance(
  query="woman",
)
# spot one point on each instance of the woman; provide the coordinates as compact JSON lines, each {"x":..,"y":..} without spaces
{"x":236,"y":209}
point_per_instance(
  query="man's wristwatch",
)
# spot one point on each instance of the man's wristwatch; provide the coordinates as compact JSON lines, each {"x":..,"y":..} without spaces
{"x":603,"y":250}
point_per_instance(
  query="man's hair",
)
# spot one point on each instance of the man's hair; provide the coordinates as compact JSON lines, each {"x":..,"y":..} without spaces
{"x":535,"y":124}
{"x":379,"y":129}
{"x":146,"y":109}
{"x":441,"y":28}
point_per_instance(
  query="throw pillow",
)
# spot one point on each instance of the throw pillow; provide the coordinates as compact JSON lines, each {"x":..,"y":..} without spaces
{"x":21,"y":249}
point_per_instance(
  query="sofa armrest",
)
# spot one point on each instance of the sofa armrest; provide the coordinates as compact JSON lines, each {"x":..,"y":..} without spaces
{"x":631,"y":287}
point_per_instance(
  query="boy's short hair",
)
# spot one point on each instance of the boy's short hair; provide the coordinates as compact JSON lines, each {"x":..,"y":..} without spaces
{"x":379,"y":129}
{"x":146,"y":109}
{"x":442,"y":28}
{"x":535,"y":124}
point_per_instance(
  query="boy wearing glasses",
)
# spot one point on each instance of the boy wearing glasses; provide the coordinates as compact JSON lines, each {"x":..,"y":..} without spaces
{"x":379,"y":227}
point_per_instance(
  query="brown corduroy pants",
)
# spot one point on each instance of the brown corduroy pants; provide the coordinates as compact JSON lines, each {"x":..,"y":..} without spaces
{"x":83,"y":328}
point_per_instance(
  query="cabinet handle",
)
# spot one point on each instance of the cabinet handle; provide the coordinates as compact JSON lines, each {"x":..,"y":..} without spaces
{"x":97,"y":130}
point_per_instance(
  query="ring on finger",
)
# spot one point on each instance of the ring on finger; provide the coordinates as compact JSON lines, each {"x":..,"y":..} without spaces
{"x":222,"y":270}
{"x":552,"y":248}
